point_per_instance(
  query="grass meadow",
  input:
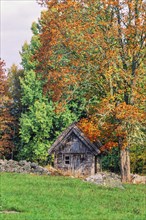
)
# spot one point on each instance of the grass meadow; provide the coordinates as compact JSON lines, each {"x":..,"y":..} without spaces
{"x":63,"y":198}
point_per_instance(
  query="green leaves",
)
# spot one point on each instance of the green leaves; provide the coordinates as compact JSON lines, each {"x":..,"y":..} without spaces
{"x":35,"y":129}
{"x":31,"y":88}
{"x":36,"y":119}
{"x":39,"y":123}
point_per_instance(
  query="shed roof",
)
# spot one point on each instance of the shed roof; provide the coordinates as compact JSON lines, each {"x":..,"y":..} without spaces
{"x":73,"y":128}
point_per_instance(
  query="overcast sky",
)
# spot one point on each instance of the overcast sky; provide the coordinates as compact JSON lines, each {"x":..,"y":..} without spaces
{"x":16,"y":19}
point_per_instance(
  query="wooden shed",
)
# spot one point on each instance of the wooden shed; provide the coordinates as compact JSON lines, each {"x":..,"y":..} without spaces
{"x":74,"y":153}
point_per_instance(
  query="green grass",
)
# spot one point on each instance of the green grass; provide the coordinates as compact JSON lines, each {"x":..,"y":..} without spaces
{"x":64,"y":198}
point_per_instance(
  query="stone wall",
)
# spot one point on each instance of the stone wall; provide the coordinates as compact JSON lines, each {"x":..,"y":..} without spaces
{"x":106,"y":179}
{"x":22,"y":167}
{"x":110,"y":179}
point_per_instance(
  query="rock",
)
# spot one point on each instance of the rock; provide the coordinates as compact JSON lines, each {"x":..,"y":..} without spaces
{"x":39,"y":169}
{"x":2,"y":169}
{"x":34,"y":165}
{"x":22,"y":162}
{"x":22,"y":167}
{"x":27,"y":167}
{"x":98,"y":179}
{"x":137,"y":179}
{"x":45,"y":171}
{"x":2,"y":162}
{"x":106,"y":179}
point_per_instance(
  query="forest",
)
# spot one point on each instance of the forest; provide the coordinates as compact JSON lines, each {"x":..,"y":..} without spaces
{"x":85,"y":63}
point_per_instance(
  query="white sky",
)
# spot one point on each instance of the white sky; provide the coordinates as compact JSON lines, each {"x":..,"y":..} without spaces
{"x":16,"y":17}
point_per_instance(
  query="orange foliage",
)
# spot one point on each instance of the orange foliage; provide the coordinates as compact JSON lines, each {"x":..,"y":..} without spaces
{"x":90,"y":129}
{"x":109,"y":145}
{"x":129,"y":112}
{"x":102,"y":42}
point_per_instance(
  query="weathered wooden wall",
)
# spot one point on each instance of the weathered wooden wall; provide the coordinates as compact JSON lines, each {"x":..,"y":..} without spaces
{"x":75,"y":153}
{"x":73,"y":145}
{"x":77,"y":165}
{"x":81,"y":159}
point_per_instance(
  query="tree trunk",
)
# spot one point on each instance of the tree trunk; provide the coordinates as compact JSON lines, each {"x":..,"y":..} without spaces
{"x":124,"y":162}
{"x":125,"y":165}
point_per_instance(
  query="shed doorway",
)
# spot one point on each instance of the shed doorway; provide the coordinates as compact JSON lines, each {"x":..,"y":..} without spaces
{"x":76,"y":162}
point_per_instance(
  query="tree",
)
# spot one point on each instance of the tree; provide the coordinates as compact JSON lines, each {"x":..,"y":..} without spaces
{"x":13,"y":78}
{"x":35,"y":118}
{"x":39,"y":123}
{"x":99,"y":44}
{"x":6,"y":118}
{"x":121,"y":113}
{"x":41,"y":120}
{"x":128,"y":90}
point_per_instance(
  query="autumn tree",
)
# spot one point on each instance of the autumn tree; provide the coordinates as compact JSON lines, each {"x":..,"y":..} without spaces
{"x":7,"y":130}
{"x":120,"y":115}
{"x":40,"y":121}
{"x":128,"y":92}
{"x":15,"y":92}
{"x":98,"y":47}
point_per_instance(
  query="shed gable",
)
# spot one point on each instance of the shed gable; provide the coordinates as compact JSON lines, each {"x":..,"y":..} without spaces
{"x":73,"y":144}
{"x":74,"y":141}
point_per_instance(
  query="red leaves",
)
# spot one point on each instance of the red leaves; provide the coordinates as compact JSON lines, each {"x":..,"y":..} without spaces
{"x":6,"y":119}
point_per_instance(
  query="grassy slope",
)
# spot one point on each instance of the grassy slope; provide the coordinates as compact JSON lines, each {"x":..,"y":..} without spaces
{"x":60,"y":198}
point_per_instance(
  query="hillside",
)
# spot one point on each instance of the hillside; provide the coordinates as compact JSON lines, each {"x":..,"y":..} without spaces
{"x":50,"y":198}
